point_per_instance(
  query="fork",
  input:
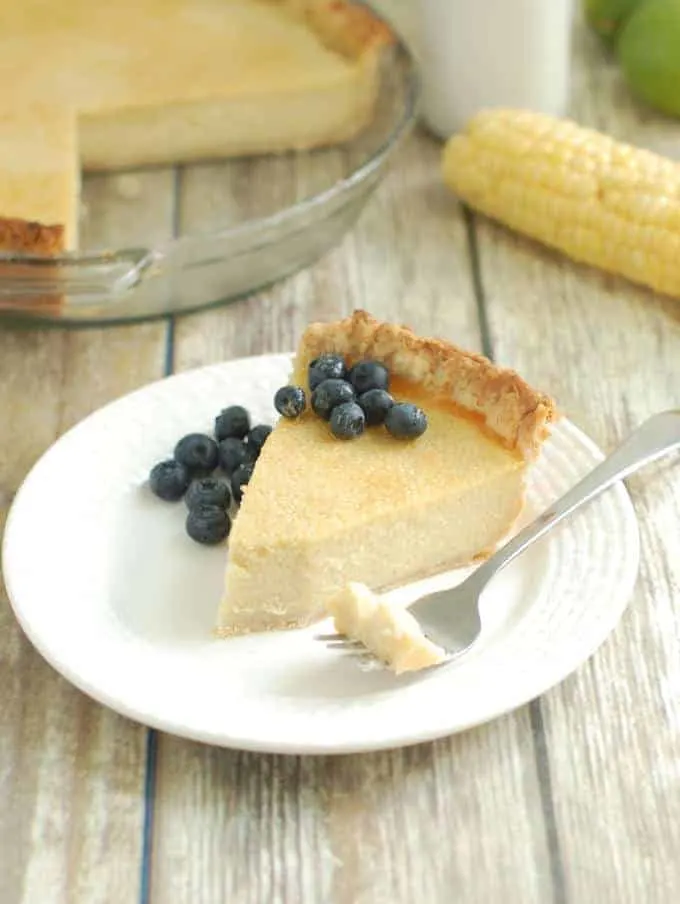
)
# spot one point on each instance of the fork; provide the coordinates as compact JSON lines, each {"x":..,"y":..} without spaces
{"x":451,"y":618}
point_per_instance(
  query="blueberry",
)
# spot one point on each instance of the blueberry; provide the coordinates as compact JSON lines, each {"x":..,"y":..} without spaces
{"x":198,"y":453}
{"x":329,"y":394}
{"x":232,"y":453}
{"x":208,"y":524}
{"x":406,"y":421}
{"x":367,"y":375}
{"x":232,"y":421}
{"x":169,"y":480}
{"x":326,"y":367}
{"x":208,"y":491}
{"x":256,"y":439}
{"x":347,"y":420}
{"x":239,"y":479}
{"x":375,"y":404}
{"x":290,"y":401}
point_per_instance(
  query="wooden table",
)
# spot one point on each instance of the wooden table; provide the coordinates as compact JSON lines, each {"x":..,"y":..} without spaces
{"x":574,"y":798}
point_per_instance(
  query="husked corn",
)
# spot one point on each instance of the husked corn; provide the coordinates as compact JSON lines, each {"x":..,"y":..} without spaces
{"x":597,"y":200}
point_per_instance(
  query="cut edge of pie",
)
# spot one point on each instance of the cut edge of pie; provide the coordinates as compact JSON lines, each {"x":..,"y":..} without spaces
{"x":302,"y":559}
{"x":342,"y":26}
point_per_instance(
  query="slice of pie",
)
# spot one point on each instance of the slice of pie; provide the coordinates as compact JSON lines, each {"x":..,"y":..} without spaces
{"x":102,"y":85}
{"x":320,"y":511}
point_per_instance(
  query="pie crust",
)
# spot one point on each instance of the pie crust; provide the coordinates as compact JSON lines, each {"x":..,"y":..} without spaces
{"x":30,"y":237}
{"x":517,"y":414}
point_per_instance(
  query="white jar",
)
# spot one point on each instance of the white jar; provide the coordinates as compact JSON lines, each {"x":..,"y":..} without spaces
{"x":490,"y":53}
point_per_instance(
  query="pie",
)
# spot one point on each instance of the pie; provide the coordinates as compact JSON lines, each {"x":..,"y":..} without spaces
{"x":390,"y":632}
{"x":101,"y":85}
{"x":319,"y":512}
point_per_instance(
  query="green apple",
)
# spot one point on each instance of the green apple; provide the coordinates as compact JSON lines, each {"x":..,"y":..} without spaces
{"x":648,"y":50}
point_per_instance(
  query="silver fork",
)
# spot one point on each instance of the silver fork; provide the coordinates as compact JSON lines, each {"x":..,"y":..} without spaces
{"x":451,"y":618}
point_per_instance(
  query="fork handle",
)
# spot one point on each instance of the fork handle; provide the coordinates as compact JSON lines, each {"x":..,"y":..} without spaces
{"x":655,"y":438}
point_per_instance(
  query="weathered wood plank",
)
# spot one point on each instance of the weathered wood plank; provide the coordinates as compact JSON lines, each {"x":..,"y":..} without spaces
{"x":609,"y":351}
{"x":387,"y":828}
{"x":71,"y":772}
{"x":393,"y":827}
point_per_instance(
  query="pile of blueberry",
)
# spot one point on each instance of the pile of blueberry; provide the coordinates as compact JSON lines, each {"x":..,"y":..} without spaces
{"x":189,"y":474}
{"x":351,"y":399}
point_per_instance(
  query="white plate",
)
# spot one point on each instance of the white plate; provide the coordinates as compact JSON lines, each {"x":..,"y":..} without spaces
{"x":113,"y":594}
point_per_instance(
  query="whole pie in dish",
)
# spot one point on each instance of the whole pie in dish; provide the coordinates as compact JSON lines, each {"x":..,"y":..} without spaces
{"x":319,"y":512}
{"x":97,"y":85}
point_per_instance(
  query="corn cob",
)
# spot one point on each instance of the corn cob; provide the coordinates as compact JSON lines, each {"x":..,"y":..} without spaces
{"x":595,"y":199}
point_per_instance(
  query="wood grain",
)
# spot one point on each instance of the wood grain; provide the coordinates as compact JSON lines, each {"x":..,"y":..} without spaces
{"x":388,"y":828}
{"x":71,"y":772}
{"x":610,"y":353}
{"x":353,"y":830}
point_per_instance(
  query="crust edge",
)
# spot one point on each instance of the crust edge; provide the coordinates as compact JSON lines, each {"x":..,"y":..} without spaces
{"x":31,"y":236}
{"x":343,"y":26}
{"x":511,"y":409}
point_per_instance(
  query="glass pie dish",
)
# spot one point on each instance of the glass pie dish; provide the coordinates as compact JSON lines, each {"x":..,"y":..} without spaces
{"x":289,"y":210}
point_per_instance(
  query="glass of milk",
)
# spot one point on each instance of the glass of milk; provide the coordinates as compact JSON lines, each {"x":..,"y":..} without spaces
{"x":491,"y":53}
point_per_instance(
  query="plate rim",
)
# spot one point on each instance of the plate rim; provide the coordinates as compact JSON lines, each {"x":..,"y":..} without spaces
{"x":626,"y":584}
